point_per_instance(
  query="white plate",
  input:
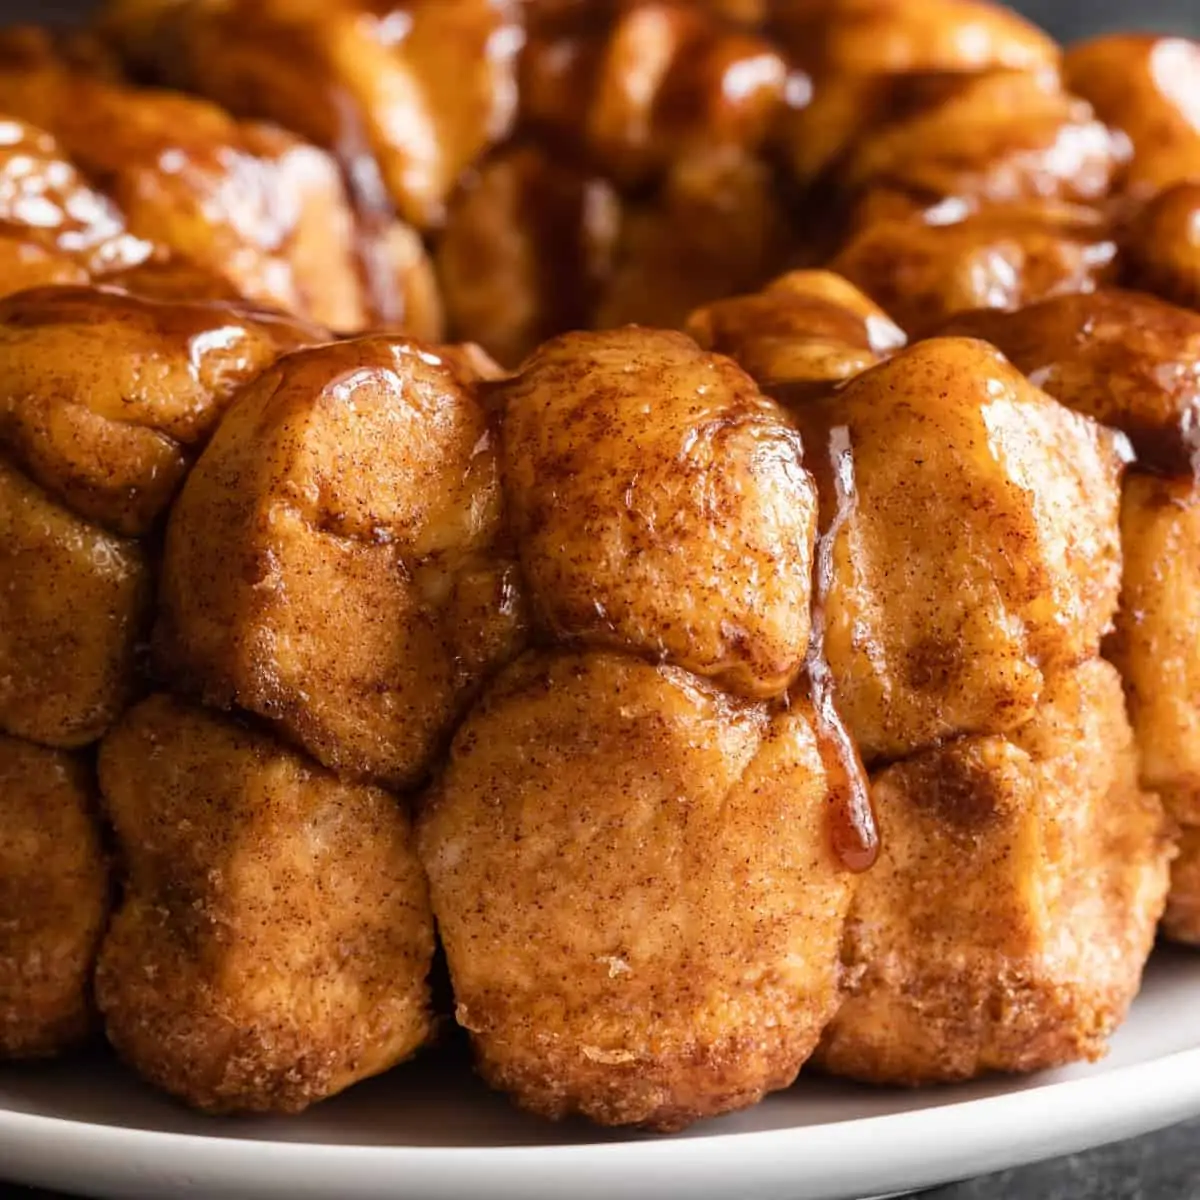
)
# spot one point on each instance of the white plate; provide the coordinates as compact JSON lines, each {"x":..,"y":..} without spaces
{"x":429,"y":1130}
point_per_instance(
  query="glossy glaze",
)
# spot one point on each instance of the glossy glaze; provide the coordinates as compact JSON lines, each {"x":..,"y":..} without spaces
{"x":660,"y":506}
{"x":982,"y":553}
{"x":432,"y":82}
{"x":650,"y":84}
{"x":1128,"y":359}
{"x":848,"y":50}
{"x":853,"y":831}
{"x":994,"y":137}
{"x":1149,"y":88}
{"x":251,"y":204}
{"x":923,"y":272}
{"x":105,"y":398}
{"x":1160,"y":249}
{"x":47,"y":206}
{"x":806,"y":329}
{"x":527,"y":250}
{"x":355,"y":486}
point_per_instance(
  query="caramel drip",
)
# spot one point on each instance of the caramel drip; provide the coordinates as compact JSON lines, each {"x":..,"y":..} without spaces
{"x":374,"y":213}
{"x":851,"y":818}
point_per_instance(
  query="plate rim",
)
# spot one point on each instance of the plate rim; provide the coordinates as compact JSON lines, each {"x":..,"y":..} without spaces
{"x":914,"y":1148}
{"x":1175,"y":1060}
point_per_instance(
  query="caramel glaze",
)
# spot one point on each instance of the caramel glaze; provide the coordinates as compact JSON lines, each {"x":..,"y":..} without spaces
{"x":176,"y":317}
{"x":578,"y":217}
{"x":49,"y":208}
{"x":114,"y":443}
{"x":637,"y":86}
{"x":24,"y":46}
{"x":341,"y":124}
{"x":1129,"y":360}
{"x":1160,"y":247}
{"x":852,"y":827}
{"x":374,"y":211}
{"x":184,"y":174}
{"x":530,"y":224}
{"x":1148,"y":87}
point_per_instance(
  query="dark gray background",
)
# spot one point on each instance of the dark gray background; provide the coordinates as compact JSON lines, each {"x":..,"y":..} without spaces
{"x":1164,"y":1166}
{"x":1064,"y":18}
{"x":1068,"y":19}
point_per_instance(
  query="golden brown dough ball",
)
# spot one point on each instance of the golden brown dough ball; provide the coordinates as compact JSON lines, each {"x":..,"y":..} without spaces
{"x":422,"y":86}
{"x":274,"y":936}
{"x":1157,"y":650}
{"x":998,"y":137}
{"x":806,"y":329}
{"x":252,"y":203}
{"x":1156,"y":646}
{"x":715,"y":227}
{"x":169,"y":278}
{"x":1160,"y":250}
{"x":47,"y":206}
{"x":73,"y":608}
{"x":135,"y":29}
{"x":975,"y":543}
{"x":540,"y":13}
{"x":1006,"y":923}
{"x":24,"y":264}
{"x":1003,"y":257}
{"x":638,"y":86}
{"x":527,"y":247}
{"x":1149,"y":88}
{"x":676,"y":105}
{"x":53,"y":899}
{"x":897,"y":36}
{"x":104,"y":401}
{"x":1127,"y":359}
{"x":1181,"y":921}
{"x":75,"y":48}
{"x":400,"y":278}
{"x":660,"y":504}
{"x":855,"y":51}
{"x":634,"y":882}
{"x":1133,"y":362}
{"x":106,"y":397}
{"x":744,"y":12}
{"x":334,"y":562}
{"x":54,"y":227}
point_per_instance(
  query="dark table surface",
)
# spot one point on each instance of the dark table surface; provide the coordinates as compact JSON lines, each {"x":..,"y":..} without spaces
{"x":1161,"y":1166}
